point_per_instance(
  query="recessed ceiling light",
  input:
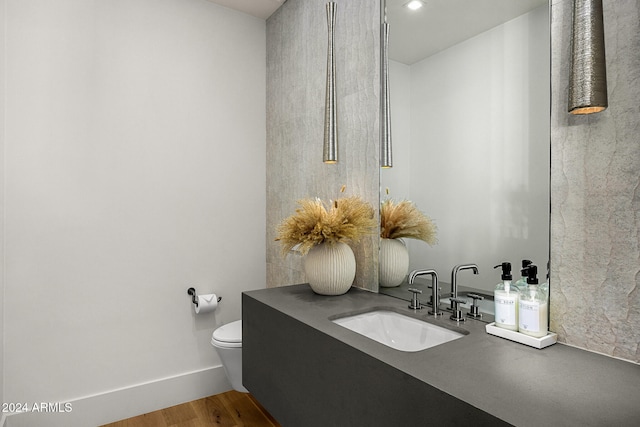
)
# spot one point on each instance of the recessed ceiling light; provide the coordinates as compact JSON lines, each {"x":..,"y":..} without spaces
{"x":414,"y":4}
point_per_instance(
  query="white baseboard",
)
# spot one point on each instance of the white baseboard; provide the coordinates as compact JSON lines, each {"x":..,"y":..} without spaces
{"x":127,"y":402}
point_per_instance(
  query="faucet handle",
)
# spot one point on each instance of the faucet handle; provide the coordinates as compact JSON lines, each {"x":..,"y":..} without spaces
{"x":474,"y":311}
{"x":415,"y":302}
{"x":457,"y":313}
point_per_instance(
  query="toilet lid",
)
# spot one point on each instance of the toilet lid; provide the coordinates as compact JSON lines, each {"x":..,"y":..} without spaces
{"x":231,"y":332}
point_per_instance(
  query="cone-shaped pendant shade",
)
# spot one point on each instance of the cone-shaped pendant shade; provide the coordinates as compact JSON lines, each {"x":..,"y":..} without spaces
{"x":386,"y":157}
{"x":588,"y":79}
{"x":330,"y":150}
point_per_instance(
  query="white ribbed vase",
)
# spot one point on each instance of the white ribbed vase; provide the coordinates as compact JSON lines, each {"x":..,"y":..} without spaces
{"x":330,"y":268}
{"x":394,"y":262}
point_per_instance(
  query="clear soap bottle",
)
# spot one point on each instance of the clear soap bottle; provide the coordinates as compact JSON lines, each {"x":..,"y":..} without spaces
{"x":506,"y":298}
{"x":521,"y":283}
{"x":533,"y":307}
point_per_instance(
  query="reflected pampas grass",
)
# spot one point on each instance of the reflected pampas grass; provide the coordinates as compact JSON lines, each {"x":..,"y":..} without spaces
{"x":404,"y":220}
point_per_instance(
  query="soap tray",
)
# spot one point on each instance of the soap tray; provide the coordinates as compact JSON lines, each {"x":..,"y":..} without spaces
{"x":541,"y":342}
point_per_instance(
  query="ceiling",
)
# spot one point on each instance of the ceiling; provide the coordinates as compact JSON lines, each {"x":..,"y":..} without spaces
{"x":414,"y":35}
{"x":440,"y":24}
{"x":258,"y":8}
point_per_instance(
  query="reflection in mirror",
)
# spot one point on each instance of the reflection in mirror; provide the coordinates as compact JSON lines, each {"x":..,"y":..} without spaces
{"x":471,"y":133}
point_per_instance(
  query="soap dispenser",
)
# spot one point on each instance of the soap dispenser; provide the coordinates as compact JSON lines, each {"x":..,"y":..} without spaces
{"x":521,"y":283}
{"x":506,"y":300}
{"x":533,"y":307}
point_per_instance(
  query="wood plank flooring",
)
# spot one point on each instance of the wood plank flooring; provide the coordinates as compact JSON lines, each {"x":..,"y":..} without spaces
{"x":230,"y":409}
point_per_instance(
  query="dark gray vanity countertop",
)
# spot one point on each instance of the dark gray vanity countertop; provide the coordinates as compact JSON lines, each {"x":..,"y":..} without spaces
{"x":524,"y":386}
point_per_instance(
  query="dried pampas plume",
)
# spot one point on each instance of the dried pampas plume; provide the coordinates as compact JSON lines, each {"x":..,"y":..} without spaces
{"x":346,"y":219}
{"x":403,"y":219}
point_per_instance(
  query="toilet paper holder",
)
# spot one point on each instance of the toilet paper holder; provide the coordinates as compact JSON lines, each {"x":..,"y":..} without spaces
{"x":194,"y":296}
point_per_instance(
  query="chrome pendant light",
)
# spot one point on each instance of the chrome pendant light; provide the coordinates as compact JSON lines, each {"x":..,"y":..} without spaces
{"x":330,"y":150}
{"x":588,"y":79}
{"x":386,"y":157}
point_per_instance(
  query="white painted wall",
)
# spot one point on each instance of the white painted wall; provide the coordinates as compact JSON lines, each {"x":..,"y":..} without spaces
{"x":134,"y":168}
{"x":2,"y":230}
{"x":468,"y":103}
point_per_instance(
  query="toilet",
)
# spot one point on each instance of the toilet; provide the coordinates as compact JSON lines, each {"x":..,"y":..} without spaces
{"x":227,"y":340}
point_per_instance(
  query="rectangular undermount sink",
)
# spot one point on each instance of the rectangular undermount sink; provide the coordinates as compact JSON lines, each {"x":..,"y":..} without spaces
{"x":398,"y":331}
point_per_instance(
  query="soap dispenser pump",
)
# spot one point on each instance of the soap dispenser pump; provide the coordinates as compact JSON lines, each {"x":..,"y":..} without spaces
{"x":506,"y":300}
{"x":521,"y":283}
{"x":533,"y":307}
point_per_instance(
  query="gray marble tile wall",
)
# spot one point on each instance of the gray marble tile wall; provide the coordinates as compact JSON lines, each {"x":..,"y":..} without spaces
{"x":595,"y":193}
{"x":296,"y":72}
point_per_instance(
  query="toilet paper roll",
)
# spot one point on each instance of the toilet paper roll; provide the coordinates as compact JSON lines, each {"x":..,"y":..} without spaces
{"x":206,"y":303}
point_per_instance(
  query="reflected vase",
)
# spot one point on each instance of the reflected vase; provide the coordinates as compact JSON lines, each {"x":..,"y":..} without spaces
{"x":394,"y":262}
{"x":330,"y":268}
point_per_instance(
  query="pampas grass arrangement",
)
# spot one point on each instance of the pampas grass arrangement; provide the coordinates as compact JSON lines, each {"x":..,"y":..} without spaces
{"x":404,"y":220}
{"x":344,"y":219}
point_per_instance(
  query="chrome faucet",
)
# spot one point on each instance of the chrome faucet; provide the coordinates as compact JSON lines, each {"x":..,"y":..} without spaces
{"x":454,"y":277}
{"x":435,"y":293}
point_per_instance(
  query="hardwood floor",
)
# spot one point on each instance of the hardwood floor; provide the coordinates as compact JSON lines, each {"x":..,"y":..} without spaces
{"x":230,"y":409}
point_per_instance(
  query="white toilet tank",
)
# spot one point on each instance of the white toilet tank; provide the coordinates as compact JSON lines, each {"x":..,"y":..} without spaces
{"x":227,"y":340}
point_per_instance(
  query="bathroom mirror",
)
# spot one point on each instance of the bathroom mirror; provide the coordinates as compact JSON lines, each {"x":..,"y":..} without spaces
{"x":470,"y":122}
